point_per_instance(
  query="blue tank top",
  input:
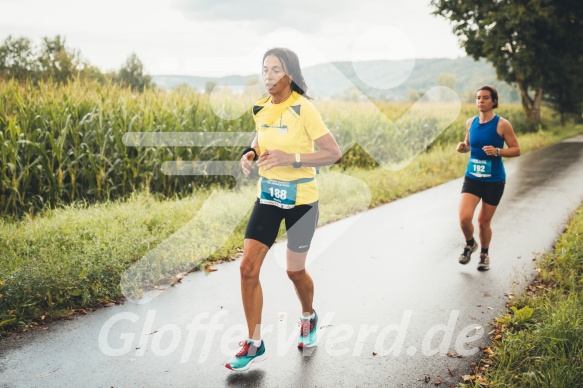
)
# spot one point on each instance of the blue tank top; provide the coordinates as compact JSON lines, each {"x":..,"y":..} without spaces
{"x":483,"y":167}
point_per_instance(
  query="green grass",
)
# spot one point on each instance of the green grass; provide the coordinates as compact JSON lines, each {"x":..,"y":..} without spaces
{"x":74,"y":256}
{"x":544,"y":349}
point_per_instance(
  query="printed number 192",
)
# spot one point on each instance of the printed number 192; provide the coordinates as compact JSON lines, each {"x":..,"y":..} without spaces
{"x":479,"y":168}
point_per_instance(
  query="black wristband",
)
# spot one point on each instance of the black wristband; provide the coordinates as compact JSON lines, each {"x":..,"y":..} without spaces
{"x":251,"y":149}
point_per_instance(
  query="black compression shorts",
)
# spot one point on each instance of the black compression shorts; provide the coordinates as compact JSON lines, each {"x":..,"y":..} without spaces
{"x":490,"y":192}
{"x":300,"y":224}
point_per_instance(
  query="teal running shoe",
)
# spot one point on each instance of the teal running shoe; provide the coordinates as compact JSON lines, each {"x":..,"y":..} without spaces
{"x":308,"y":332}
{"x":248,"y":355}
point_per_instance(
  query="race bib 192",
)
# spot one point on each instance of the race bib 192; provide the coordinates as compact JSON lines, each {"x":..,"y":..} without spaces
{"x":480,"y":168}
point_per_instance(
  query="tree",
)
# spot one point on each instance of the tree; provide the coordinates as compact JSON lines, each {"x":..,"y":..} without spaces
{"x":17,"y":59}
{"x":56,"y":61}
{"x":564,"y":86}
{"x":132,"y":74}
{"x":518,"y":36}
{"x":565,"y":78}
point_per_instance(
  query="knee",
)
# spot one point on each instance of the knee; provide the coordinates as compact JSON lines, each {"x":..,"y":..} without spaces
{"x":296,"y":275}
{"x":249,"y":272}
{"x":465,"y":221}
{"x":484,"y":224}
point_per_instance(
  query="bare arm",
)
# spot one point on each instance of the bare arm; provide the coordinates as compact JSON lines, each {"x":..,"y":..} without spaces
{"x":328,"y":153}
{"x":506,"y":132}
{"x":247,"y":159}
{"x":464,"y":146}
{"x":509,"y":137}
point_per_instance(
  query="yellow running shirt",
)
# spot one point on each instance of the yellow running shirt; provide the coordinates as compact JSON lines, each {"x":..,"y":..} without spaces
{"x":290,"y":126}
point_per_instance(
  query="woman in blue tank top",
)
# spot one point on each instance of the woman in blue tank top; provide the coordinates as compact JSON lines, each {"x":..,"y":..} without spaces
{"x":485,"y":175}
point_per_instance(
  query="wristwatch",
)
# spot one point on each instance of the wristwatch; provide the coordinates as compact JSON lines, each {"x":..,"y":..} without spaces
{"x":297,"y":163}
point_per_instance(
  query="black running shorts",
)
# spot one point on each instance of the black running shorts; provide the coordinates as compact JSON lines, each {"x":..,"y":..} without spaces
{"x":490,"y":192}
{"x":300,"y":224}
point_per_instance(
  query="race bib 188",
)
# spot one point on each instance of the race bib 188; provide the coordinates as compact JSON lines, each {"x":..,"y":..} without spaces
{"x":278,"y":193}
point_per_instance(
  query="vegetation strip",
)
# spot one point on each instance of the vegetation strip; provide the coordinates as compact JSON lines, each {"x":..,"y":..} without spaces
{"x":539,"y":341}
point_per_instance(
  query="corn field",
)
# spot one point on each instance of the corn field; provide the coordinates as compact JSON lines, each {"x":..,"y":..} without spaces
{"x":60,"y":144}
{"x":65,"y":143}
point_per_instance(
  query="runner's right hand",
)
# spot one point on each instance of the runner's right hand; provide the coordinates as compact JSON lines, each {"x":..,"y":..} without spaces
{"x":247,"y":162}
{"x":462,"y":147}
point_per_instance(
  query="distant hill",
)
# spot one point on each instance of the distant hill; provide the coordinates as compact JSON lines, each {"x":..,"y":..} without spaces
{"x":338,"y":79}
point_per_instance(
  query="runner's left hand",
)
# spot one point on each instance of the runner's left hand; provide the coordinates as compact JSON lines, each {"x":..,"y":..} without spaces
{"x":274,"y":158}
{"x":489,"y":150}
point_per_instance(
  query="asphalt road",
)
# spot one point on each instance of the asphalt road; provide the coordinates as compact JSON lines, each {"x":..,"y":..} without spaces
{"x":392,"y":299}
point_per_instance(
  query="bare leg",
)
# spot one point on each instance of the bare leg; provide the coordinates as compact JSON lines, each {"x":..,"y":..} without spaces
{"x":302,"y":281}
{"x":468,"y":204}
{"x":253,"y":255}
{"x":484,"y":221}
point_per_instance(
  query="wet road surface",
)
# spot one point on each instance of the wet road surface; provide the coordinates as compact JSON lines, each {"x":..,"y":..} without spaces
{"x":391,"y":296}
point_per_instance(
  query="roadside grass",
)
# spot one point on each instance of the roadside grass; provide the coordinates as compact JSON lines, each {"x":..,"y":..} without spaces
{"x":74,"y":257}
{"x":539,"y":341}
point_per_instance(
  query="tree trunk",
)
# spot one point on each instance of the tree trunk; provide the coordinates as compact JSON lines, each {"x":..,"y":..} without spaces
{"x":531,"y":107}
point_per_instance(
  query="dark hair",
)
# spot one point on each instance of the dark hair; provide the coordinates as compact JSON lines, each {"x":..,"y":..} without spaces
{"x":493,"y":94}
{"x":291,"y":64}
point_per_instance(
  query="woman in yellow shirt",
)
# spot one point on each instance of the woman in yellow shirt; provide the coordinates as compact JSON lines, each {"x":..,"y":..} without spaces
{"x":287,"y":126}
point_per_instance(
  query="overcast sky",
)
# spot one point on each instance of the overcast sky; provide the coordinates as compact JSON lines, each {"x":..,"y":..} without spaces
{"x":223,"y":37}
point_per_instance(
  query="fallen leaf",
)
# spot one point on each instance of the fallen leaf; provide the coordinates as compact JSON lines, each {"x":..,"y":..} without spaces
{"x":498,"y":336}
{"x":451,"y":372}
{"x":210,"y":269}
{"x":177,"y":279}
{"x":487,"y":294}
{"x":488,"y":351}
{"x":437,"y":382}
{"x":466,"y":378}
{"x":110,"y":304}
